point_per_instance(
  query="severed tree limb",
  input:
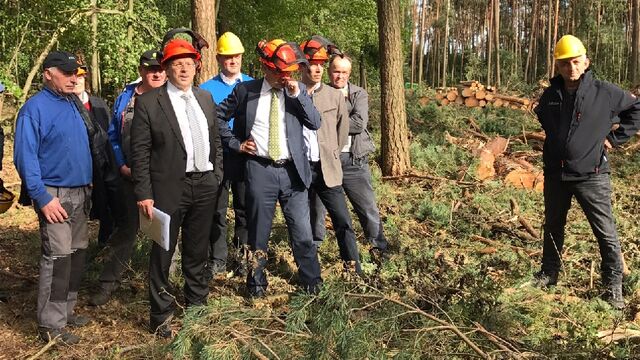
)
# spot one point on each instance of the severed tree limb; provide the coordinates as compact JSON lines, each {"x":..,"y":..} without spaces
{"x":18,"y":276}
{"x":415,"y":309}
{"x":45,"y":348}
{"x":499,"y":244}
{"x":241,"y":338}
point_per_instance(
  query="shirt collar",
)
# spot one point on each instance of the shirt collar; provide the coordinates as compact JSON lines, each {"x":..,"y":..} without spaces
{"x":231,"y":80}
{"x":315,"y":88}
{"x":173,"y":90}
{"x":266,"y":87}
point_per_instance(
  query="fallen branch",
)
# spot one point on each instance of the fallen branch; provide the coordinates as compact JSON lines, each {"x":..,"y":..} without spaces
{"x":499,"y":244}
{"x":528,"y":227}
{"x":426,"y":176}
{"x":415,"y":309}
{"x":241,"y":338}
{"x":45,"y":348}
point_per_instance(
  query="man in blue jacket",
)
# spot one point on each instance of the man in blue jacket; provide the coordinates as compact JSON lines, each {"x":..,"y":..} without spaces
{"x":122,"y":241}
{"x":577,"y":113}
{"x":53,"y":157}
{"x":229,"y":56}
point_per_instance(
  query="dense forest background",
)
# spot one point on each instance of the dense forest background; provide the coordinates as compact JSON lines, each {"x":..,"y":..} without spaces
{"x":506,"y":43}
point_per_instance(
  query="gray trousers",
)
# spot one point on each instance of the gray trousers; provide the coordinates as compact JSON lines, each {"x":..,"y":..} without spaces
{"x":356,"y":182}
{"x":63,"y":255}
{"x":594,"y":196}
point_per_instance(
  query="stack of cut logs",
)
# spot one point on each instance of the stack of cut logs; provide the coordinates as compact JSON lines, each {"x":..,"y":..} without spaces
{"x":474,"y":94}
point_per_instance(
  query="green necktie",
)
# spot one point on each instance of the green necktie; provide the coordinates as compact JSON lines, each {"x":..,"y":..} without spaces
{"x":274,"y":126}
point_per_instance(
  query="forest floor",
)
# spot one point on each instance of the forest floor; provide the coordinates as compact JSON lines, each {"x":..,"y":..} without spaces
{"x":456,"y":286}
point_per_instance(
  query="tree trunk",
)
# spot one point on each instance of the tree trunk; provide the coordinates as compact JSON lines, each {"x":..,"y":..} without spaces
{"x":555,"y":34}
{"x":532,"y":35}
{"x":423,"y":34}
{"x":203,"y":17}
{"x":130,"y":25}
{"x":95,"y":67}
{"x":363,"y":72}
{"x":489,"y":32}
{"x":634,"y":64}
{"x":414,"y":34}
{"x":395,"y":140}
{"x":549,"y":47}
{"x":496,"y":23}
{"x":445,"y":44}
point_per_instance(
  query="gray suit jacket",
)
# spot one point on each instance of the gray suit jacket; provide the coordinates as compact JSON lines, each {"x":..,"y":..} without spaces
{"x":158,"y":155}
{"x":358,"y":106}
{"x":241,"y":105}
{"x":333,"y":133}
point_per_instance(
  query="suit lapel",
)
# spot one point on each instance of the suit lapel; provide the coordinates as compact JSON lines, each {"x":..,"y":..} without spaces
{"x":253,"y":96}
{"x":205,"y":101}
{"x":165,"y":104}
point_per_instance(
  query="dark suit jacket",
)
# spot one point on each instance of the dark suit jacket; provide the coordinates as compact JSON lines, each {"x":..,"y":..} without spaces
{"x":158,"y":155}
{"x":242,"y":105}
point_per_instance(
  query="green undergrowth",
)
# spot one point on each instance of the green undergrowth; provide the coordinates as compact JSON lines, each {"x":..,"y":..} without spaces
{"x":459,"y":262}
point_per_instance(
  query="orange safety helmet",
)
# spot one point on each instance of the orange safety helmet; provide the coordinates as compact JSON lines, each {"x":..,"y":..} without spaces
{"x":179,"y":48}
{"x":319,"y":49}
{"x":280,"y":55}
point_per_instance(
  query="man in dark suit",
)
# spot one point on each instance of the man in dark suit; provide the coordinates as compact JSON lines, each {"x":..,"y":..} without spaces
{"x":176,"y":159}
{"x":267,"y":129}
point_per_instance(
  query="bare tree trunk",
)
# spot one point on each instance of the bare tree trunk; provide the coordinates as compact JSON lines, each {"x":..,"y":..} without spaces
{"x":423,"y":34}
{"x":395,"y":140}
{"x":363,"y":72}
{"x":549,"y":19}
{"x":445,"y":44}
{"x":532,"y":35}
{"x":414,"y":33}
{"x":95,"y":68}
{"x":634,"y":64}
{"x":489,"y":21}
{"x":203,"y":17}
{"x":496,"y":19}
{"x":130,"y":25}
{"x":555,"y":34}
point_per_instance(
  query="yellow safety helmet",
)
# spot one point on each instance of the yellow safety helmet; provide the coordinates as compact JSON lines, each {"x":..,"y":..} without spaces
{"x":229,"y":44}
{"x":567,"y":47}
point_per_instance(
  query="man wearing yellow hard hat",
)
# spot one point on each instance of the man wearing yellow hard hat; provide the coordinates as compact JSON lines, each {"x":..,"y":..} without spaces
{"x":229,"y":56}
{"x":577,"y":113}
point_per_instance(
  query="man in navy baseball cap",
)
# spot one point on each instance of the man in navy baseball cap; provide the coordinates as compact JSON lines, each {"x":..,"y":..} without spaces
{"x":65,"y":61}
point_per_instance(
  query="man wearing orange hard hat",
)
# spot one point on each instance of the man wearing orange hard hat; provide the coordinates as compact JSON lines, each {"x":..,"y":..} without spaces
{"x":323,"y":145}
{"x":269,"y":116}
{"x":577,"y":113}
{"x":176,"y":166}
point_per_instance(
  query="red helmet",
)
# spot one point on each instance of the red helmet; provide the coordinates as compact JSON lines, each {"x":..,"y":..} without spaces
{"x":319,"y":49}
{"x":280,"y":55}
{"x":179,"y":48}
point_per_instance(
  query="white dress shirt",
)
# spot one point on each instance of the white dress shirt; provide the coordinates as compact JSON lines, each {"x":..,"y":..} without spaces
{"x":180,"y":108}
{"x":260,"y":129}
{"x":311,"y":137}
{"x":231,"y":80}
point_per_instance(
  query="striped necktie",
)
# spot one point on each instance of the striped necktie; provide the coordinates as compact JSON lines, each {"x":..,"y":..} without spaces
{"x":199,"y":158}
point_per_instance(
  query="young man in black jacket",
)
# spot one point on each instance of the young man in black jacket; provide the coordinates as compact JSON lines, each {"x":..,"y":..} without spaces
{"x":577,"y":113}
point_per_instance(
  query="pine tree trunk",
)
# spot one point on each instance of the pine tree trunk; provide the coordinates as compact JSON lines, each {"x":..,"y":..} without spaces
{"x":634,"y":64}
{"x":423,"y":34}
{"x":549,"y":47}
{"x":95,"y":67}
{"x":532,"y":35}
{"x":496,"y":23}
{"x":555,"y":34}
{"x":415,"y":31}
{"x":203,"y":17}
{"x":445,"y":44}
{"x":395,"y":140}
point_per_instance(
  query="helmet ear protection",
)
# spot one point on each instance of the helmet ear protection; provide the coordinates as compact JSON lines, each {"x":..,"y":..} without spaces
{"x":196,"y":40}
{"x":320,"y":48}
{"x":285,"y":56}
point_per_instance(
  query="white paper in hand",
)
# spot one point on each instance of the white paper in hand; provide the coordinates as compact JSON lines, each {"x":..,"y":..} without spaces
{"x":158,"y":228}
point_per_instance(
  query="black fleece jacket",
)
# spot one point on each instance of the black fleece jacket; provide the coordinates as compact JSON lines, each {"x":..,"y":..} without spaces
{"x":579,"y":153}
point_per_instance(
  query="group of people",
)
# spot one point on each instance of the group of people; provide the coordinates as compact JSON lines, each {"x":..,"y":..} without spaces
{"x":180,"y":148}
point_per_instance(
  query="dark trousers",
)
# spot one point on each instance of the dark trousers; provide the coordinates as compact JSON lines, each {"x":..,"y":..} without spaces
{"x":63,"y":256}
{"x":356,"y":182}
{"x":594,"y":197}
{"x":193,"y":216}
{"x":267,"y":184}
{"x":333,"y":200}
{"x":218,"y":243}
{"x":121,"y":243}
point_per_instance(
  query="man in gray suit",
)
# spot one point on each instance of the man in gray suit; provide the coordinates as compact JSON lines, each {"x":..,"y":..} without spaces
{"x":269,"y":115}
{"x":356,"y":179}
{"x":324,"y":146}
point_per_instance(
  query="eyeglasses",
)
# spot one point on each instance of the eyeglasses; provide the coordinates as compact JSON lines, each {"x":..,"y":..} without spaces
{"x":180,"y":66}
